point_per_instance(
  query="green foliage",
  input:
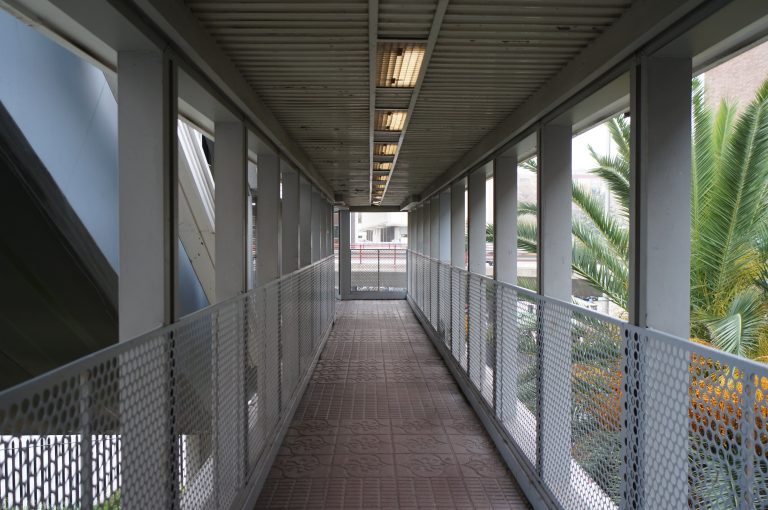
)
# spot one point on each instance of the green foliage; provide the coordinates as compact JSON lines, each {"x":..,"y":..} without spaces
{"x":729,"y":223}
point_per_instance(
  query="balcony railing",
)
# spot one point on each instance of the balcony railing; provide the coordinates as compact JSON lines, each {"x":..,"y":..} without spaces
{"x":378,"y":269}
{"x":597,"y":412}
{"x":188,"y":416}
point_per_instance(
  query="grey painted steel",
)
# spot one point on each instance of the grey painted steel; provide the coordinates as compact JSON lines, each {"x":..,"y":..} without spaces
{"x":476,"y":207}
{"x":660,"y":254}
{"x":445,"y":226}
{"x":426,"y":231}
{"x":148,"y":243}
{"x":505,"y":217}
{"x":457,"y":224}
{"x":289,"y":250}
{"x":345,"y":264}
{"x":147,"y":185}
{"x":232,"y":210}
{"x":434,"y":227}
{"x":268,"y":216}
{"x":305,"y":222}
{"x":232,"y":268}
{"x":316,"y":225}
{"x":554,"y":268}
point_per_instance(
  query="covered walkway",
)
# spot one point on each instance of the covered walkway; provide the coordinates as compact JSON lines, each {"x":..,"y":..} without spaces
{"x":383,"y":425}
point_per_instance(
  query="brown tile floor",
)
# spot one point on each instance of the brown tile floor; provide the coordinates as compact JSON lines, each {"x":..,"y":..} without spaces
{"x":383,"y":425}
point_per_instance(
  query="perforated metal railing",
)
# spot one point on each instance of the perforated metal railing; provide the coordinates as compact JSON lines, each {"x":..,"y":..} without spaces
{"x":183,"y":417}
{"x":378,"y":269}
{"x":603,"y":414}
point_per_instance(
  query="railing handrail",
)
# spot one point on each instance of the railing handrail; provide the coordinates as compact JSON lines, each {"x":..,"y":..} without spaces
{"x":76,"y":366}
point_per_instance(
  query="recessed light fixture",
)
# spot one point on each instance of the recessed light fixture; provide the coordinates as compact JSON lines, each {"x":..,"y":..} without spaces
{"x":399,"y":64}
{"x":387,"y":120}
{"x":380,"y":177}
{"x":384,"y":149}
{"x":382,"y":166}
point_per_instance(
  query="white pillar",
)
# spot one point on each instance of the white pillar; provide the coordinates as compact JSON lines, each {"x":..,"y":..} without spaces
{"x":345,"y":266}
{"x":476,"y":295}
{"x":444,"y":227}
{"x":457,"y":223}
{"x":659,"y":293}
{"x":420,"y":229}
{"x":426,"y":233}
{"x":305,"y":222}
{"x":505,"y":263}
{"x":316,"y":225}
{"x":232,"y":211}
{"x":476,"y":200}
{"x":290,"y":219}
{"x":147,"y":191}
{"x":267,"y":215}
{"x":147,"y":283}
{"x":505,"y":217}
{"x":554,"y":188}
{"x":434,"y":227}
{"x":458,"y":289}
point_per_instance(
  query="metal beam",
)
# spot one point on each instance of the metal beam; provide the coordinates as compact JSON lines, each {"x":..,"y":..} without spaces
{"x":373,"y":35}
{"x":434,"y":31}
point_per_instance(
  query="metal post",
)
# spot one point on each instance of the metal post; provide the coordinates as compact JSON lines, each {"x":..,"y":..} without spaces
{"x":554,"y":188}
{"x":148,"y":187}
{"x":659,"y":259}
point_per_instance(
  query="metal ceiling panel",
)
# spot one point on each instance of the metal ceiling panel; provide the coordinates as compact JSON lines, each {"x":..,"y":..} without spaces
{"x":309,"y":60}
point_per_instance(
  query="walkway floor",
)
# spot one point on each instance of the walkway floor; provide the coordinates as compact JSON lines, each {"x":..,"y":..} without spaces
{"x":384,"y":425}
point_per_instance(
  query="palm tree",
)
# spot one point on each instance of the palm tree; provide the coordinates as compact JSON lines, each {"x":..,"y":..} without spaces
{"x":729,"y":224}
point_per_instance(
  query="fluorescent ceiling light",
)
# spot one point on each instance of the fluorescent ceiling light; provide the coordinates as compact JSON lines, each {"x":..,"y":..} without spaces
{"x":399,"y":64}
{"x":380,"y":186}
{"x":379,"y":177}
{"x":382,"y":166}
{"x":385,"y":149}
{"x":390,"y":120}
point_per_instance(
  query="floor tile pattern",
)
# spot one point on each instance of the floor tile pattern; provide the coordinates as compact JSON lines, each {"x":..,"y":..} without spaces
{"x":383,"y":425}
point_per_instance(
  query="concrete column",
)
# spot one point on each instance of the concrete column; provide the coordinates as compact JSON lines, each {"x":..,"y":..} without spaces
{"x":505,"y":217}
{"x":476,"y":199}
{"x":316,"y":225}
{"x":232,"y":261}
{"x":345,"y":263}
{"x":305,"y":222}
{"x":505,"y":264}
{"x":268,"y":215}
{"x":659,"y":258}
{"x":147,"y":275}
{"x":554,"y":188}
{"x":457,"y":224}
{"x":444,"y":226}
{"x":290,"y":219}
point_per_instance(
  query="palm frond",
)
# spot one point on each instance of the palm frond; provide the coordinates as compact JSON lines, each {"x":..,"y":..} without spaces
{"x":615,"y":234}
{"x":738,"y":332}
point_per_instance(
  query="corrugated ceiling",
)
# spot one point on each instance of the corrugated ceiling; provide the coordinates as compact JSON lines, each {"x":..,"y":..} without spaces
{"x":308,"y":60}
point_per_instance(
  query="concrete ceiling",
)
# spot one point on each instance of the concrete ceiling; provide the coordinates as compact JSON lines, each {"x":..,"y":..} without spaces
{"x":309,"y":62}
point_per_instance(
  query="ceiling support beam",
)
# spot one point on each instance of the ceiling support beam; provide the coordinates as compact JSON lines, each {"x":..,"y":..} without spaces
{"x":373,"y":37}
{"x":434,"y":31}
